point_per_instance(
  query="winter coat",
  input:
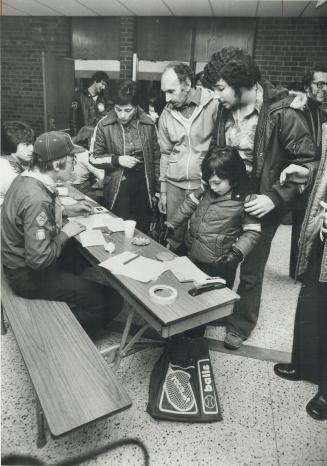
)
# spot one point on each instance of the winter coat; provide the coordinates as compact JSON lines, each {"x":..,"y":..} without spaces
{"x":217,"y":223}
{"x":85,"y":111}
{"x":185,"y":142}
{"x":282,"y":137}
{"x":108,"y":143}
{"x":311,"y":223}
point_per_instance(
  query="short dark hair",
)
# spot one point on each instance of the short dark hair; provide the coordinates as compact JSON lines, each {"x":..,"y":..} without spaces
{"x":182,"y":70}
{"x":233,"y":65}
{"x":13,"y":133}
{"x":99,"y":76}
{"x":127,"y":93}
{"x":224,"y":162}
{"x":308,"y":76}
{"x":47,"y":165}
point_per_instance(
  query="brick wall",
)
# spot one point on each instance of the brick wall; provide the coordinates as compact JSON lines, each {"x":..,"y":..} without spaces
{"x":127,"y":45}
{"x":284,"y":47}
{"x":23,"y":40}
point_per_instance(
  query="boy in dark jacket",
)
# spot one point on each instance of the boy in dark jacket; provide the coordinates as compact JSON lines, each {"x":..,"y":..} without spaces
{"x":221,"y":233}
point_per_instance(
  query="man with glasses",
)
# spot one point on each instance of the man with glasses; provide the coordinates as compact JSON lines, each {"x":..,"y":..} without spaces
{"x":314,"y":83}
{"x":33,"y":236}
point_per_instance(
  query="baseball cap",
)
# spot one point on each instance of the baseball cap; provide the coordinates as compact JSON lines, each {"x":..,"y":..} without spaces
{"x":54,"y":145}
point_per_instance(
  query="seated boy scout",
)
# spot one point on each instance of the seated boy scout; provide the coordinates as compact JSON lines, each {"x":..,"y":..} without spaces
{"x":33,"y":236}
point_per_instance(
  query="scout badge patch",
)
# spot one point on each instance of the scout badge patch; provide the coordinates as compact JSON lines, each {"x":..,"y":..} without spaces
{"x":182,"y":387}
{"x":41,"y":219}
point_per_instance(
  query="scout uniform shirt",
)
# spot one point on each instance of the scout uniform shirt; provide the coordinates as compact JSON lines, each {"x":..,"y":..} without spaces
{"x":31,"y":223}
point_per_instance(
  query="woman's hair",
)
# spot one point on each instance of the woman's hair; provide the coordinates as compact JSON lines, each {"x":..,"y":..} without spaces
{"x":127,"y":93}
{"x":224,"y":162}
{"x":13,"y":133}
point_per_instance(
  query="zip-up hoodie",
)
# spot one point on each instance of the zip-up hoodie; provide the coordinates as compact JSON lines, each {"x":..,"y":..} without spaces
{"x":184,"y":142}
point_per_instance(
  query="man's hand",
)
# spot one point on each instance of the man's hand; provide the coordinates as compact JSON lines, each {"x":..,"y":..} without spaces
{"x":81,"y":208}
{"x":162,"y":204}
{"x":73,"y":229}
{"x":127,"y":161}
{"x":323,"y":228}
{"x":259,"y":206}
{"x":295,"y":174}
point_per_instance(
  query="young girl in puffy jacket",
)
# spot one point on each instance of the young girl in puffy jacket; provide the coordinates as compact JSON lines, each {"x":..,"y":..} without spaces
{"x":220,"y":232}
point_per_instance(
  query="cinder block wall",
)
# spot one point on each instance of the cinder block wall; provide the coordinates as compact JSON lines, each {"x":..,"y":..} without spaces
{"x":23,"y":40}
{"x":284,"y":47}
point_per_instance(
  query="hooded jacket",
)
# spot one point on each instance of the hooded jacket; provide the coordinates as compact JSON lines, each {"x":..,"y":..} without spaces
{"x":311,"y":223}
{"x":185,"y":142}
{"x":217,"y":223}
{"x":108,"y":143}
{"x":282,"y":137}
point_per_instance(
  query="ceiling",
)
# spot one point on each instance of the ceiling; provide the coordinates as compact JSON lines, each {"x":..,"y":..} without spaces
{"x":252,"y":8}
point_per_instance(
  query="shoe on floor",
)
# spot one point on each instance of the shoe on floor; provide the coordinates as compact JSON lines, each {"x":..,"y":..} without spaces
{"x":317,"y":408}
{"x":233,"y":340}
{"x":286,"y":371}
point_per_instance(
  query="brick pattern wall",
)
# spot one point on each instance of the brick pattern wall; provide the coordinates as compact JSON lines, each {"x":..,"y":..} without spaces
{"x":127,"y":45}
{"x":285,"y":47}
{"x":23,"y":40}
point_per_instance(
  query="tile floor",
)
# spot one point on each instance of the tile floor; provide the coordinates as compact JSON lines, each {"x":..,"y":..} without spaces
{"x":264,"y":420}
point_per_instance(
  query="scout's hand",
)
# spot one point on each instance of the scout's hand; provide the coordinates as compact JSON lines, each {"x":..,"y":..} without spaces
{"x":295,"y":174}
{"x":127,"y":161}
{"x":231,"y":259}
{"x":162,"y":204}
{"x":259,"y":206}
{"x":73,"y":229}
{"x":81,"y":208}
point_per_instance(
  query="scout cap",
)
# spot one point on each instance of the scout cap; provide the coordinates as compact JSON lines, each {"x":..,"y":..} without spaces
{"x":55,"y":145}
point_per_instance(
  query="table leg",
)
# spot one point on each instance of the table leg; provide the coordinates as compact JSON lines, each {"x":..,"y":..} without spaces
{"x":3,"y":324}
{"x":40,"y":419}
{"x":125,"y":335}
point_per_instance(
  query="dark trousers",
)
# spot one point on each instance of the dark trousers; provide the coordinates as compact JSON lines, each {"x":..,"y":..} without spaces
{"x":213,"y":270}
{"x":93,"y":305}
{"x":246,"y":310}
{"x":132,"y":202}
{"x":309,"y":354}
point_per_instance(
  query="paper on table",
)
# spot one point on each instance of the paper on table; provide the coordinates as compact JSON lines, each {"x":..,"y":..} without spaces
{"x":92,"y":238}
{"x":101,"y":220}
{"x":141,"y":268}
{"x":66,"y":200}
{"x":184,"y":270}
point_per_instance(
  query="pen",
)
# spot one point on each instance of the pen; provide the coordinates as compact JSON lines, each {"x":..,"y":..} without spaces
{"x":131,"y":259}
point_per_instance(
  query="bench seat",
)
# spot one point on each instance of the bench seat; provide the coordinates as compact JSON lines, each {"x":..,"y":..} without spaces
{"x":72,"y":381}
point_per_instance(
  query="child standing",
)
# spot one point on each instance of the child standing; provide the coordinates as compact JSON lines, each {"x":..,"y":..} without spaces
{"x":220,"y":233}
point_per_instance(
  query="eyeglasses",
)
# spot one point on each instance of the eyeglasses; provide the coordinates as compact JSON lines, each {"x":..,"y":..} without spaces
{"x":320,"y":84}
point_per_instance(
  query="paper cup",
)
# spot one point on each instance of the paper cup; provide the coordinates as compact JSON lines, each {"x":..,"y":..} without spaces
{"x":129,"y":228}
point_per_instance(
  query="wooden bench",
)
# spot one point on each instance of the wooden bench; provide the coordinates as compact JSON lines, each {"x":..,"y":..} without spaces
{"x":73,"y":383}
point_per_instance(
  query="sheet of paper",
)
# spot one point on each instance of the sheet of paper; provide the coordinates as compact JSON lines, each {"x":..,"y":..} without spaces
{"x":184,"y":270}
{"x":140,"y":268}
{"x":92,"y":238}
{"x":101,"y":220}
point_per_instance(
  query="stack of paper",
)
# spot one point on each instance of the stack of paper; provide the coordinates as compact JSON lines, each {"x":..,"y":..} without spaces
{"x":185,"y":271}
{"x":133,"y":266}
{"x":101,"y":220}
{"x":92,"y":238}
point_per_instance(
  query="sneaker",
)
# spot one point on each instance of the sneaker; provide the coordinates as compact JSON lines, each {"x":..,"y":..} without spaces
{"x":233,"y":340}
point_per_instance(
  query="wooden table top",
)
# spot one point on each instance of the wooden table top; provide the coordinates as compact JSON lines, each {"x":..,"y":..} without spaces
{"x":185,"y":305}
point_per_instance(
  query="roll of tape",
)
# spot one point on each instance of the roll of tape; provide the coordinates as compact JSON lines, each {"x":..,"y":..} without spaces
{"x":169,"y":299}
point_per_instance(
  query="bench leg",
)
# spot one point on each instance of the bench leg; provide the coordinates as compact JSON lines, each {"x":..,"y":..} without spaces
{"x":41,"y":429}
{"x":3,"y":324}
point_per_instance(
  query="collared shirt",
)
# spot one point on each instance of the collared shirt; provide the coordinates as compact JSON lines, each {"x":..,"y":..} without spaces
{"x":240,"y":130}
{"x":192,"y":101}
{"x":132,"y":138}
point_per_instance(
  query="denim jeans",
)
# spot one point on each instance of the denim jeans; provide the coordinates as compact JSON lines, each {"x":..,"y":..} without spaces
{"x":175,"y":197}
